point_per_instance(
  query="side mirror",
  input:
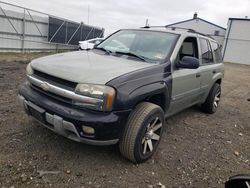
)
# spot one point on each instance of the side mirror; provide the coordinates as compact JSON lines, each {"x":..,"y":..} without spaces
{"x":188,"y":63}
{"x":239,"y":181}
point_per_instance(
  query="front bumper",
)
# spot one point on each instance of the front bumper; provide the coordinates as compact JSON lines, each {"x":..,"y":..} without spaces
{"x":67,"y":120}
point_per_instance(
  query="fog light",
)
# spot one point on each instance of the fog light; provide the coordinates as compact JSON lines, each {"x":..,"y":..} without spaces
{"x":88,"y":130}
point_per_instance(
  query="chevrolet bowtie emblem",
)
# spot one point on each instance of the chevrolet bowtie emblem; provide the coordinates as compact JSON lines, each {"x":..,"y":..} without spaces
{"x":44,"y":86}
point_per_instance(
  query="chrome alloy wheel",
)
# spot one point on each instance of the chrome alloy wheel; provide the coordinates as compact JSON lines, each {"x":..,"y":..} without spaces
{"x":217,"y":99}
{"x":152,"y":135}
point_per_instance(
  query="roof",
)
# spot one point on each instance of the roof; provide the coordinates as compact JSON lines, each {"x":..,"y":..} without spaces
{"x":195,"y":19}
{"x":241,"y":19}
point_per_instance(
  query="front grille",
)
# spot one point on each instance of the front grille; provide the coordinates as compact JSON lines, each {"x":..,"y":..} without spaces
{"x":64,"y":84}
{"x":52,"y":95}
{"x":59,"y":89}
{"x":55,"y":80}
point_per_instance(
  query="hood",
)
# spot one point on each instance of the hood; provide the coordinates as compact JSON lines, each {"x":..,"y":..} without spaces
{"x":87,"y":66}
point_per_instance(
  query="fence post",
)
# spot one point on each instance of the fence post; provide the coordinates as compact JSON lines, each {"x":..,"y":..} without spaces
{"x":23,"y":31}
{"x":66,"y":33}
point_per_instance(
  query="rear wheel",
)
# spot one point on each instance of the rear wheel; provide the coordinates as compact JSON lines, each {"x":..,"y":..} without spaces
{"x":142,"y":133}
{"x":212,"y":102}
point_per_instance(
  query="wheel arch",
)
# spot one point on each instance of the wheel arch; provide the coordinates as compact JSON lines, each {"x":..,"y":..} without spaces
{"x":156,"y":93}
{"x":217,"y":79}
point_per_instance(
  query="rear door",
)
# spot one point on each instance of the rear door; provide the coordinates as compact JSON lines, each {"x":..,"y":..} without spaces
{"x":186,"y":82}
{"x":208,"y":66}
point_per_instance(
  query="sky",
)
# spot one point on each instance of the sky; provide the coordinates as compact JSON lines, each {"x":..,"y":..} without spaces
{"x":117,"y":14}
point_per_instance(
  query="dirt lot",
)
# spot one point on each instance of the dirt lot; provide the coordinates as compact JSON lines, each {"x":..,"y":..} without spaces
{"x":197,"y":150}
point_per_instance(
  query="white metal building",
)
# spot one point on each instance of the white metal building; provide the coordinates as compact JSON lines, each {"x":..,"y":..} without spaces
{"x":203,"y":26}
{"x":237,"y":41}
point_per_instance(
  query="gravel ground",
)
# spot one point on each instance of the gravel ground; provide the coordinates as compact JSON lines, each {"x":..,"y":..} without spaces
{"x":197,"y":150}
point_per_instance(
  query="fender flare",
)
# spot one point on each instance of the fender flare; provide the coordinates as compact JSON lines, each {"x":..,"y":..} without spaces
{"x":144,"y":93}
{"x":215,"y":78}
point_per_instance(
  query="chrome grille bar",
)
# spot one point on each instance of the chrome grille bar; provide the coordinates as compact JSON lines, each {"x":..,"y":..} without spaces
{"x":62,"y":92}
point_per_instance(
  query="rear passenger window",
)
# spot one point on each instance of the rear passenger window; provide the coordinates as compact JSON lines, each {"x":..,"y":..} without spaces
{"x":217,"y":52}
{"x":206,"y":52}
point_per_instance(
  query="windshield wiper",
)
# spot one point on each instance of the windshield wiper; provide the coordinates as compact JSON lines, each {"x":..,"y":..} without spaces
{"x":132,"y":54}
{"x":104,"y":49}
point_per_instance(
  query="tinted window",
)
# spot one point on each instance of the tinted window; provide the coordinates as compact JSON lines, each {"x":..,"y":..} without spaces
{"x":206,"y":52}
{"x":217,"y":52}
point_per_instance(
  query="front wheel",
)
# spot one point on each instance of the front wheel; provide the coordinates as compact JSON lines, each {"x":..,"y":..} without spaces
{"x":142,"y":133}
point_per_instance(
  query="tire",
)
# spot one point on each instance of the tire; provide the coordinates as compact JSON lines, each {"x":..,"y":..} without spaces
{"x":143,"y":130}
{"x":211,"y":104}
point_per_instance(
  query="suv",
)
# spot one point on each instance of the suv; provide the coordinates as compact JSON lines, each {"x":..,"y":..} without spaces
{"x":122,"y":90}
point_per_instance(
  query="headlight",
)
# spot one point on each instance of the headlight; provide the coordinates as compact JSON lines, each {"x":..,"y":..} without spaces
{"x":104,"y":94}
{"x":29,"y":69}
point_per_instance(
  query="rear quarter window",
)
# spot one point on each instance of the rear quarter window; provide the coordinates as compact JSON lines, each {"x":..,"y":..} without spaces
{"x":217,"y":52}
{"x":206,"y":52}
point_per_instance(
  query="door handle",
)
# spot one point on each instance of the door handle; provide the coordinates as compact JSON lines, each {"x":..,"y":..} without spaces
{"x":198,"y":75}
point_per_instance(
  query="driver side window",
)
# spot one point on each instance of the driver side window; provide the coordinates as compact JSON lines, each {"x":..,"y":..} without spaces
{"x":189,"y":48}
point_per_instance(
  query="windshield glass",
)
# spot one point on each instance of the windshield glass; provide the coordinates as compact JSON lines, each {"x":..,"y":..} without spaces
{"x":151,"y":45}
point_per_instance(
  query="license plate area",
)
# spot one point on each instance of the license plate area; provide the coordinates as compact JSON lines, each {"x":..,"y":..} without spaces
{"x":36,"y":112}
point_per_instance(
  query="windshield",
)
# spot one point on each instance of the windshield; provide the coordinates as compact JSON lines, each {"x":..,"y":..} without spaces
{"x":151,"y":45}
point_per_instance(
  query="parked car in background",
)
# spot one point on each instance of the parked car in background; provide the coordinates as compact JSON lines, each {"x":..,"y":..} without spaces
{"x":89,"y":44}
{"x":122,"y":90}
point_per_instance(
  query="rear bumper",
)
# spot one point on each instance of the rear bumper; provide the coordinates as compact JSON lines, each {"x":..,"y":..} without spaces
{"x":67,"y":120}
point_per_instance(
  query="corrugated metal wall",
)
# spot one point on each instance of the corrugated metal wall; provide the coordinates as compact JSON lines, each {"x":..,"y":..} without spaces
{"x":23,"y":29}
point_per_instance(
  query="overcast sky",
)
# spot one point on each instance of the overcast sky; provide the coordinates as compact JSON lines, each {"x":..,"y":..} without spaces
{"x":115,"y":14}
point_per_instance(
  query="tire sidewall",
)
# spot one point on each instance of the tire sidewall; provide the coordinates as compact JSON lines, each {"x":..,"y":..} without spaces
{"x":216,"y":89}
{"x":138,"y":150}
{"x":208,"y":105}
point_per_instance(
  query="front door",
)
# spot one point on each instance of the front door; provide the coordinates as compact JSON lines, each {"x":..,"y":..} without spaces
{"x":186,"y":82}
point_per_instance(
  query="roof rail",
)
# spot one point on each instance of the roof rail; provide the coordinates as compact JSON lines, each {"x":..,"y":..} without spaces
{"x":170,"y":27}
{"x":181,"y":28}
